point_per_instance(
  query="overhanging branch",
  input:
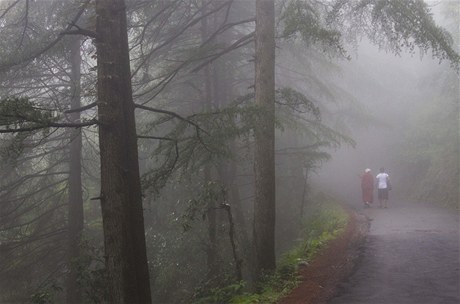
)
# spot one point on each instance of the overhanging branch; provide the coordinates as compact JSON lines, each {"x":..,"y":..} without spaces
{"x":49,"y":125}
{"x":81,"y":109}
{"x":80,"y":31}
{"x":170,"y":113}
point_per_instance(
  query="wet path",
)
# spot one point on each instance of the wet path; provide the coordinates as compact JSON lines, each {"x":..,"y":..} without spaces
{"x":412,"y":256}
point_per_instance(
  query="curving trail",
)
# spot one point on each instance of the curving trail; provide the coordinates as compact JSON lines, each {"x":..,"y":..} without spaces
{"x":411,"y":256}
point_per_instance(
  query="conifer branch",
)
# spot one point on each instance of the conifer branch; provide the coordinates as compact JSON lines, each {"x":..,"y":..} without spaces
{"x":170,"y":113}
{"x":44,"y":125}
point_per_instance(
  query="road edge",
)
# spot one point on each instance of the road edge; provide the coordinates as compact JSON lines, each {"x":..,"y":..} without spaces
{"x":319,"y":281}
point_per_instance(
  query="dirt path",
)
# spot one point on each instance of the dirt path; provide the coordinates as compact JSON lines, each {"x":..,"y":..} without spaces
{"x":331,"y":265}
{"x":411,"y":256}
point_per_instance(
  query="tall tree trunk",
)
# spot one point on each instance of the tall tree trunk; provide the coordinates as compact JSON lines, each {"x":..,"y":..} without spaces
{"x":264,"y":157}
{"x":75,"y":186}
{"x":121,"y":200}
{"x":227,"y":170}
{"x":304,"y":192}
{"x":211,"y":252}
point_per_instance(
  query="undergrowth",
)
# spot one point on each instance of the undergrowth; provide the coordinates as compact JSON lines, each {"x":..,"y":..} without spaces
{"x":326,"y":221}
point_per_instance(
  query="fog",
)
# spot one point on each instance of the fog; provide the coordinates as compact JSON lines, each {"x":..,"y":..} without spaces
{"x":138,"y":154}
{"x":390,"y":88}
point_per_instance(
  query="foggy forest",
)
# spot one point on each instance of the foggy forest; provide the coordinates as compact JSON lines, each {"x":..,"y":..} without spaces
{"x":216,"y":151}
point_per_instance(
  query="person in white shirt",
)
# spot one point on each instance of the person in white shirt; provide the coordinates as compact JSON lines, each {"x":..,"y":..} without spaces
{"x":383,"y":185}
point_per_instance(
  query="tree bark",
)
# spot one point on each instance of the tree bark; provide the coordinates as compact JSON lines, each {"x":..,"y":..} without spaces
{"x":75,"y":216}
{"x":212,"y":246}
{"x":121,"y":200}
{"x":264,"y":155}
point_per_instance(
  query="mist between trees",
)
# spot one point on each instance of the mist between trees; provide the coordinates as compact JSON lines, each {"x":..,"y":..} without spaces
{"x":153,"y":151}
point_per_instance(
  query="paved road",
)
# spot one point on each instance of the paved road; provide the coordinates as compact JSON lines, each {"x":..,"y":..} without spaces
{"x":412,"y":256}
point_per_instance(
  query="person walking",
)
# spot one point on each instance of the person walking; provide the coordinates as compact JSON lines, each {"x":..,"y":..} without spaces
{"x":383,"y":186}
{"x":367,"y":187}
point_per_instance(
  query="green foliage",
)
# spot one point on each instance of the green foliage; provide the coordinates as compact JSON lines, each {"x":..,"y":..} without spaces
{"x":201,"y":139}
{"x":431,"y":143}
{"x":177,"y":264}
{"x":13,"y":145}
{"x":396,"y":25}
{"x":46,"y":295}
{"x":221,"y":295}
{"x":431,"y":149}
{"x":409,"y":24}
{"x":326,"y":222}
{"x":297,"y":102}
{"x":211,"y":193}
{"x":22,"y":114}
{"x":33,"y":227}
{"x":205,"y":138}
{"x":298,"y":113}
{"x":91,"y":272}
{"x":307,"y":19}
{"x":178,"y":240}
{"x":272,"y":288}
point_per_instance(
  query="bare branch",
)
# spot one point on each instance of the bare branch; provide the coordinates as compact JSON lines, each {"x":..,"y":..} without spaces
{"x":179,"y":33}
{"x":239,"y":43}
{"x":225,"y":27}
{"x":50,"y":45}
{"x":159,"y":13}
{"x":26,"y":18}
{"x":80,"y":31}
{"x":170,"y":113}
{"x":9,"y":8}
{"x":172,"y":164}
{"x":156,"y":137}
{"x":81,"y":109}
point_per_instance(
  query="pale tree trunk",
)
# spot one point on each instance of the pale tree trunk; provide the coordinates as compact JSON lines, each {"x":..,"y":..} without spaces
{"x":75,"y":186}
{"x":121,"y":200}
{"x":227,"y":170}
{"x":264,"y":155}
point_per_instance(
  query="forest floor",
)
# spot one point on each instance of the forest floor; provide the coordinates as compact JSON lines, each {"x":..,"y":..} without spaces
{"x":406,"y":254}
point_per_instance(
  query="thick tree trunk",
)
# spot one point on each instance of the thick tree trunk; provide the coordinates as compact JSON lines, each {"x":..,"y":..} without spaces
{"x":264,"y":157}
{"x":121,"y":201}
{"x":75,"y":185}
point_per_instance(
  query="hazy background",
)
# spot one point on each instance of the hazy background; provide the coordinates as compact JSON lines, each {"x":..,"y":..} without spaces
{"x":391,"y":89}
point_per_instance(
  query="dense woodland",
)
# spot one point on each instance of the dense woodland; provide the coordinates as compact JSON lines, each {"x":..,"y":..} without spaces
{"x":156,"y":151}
